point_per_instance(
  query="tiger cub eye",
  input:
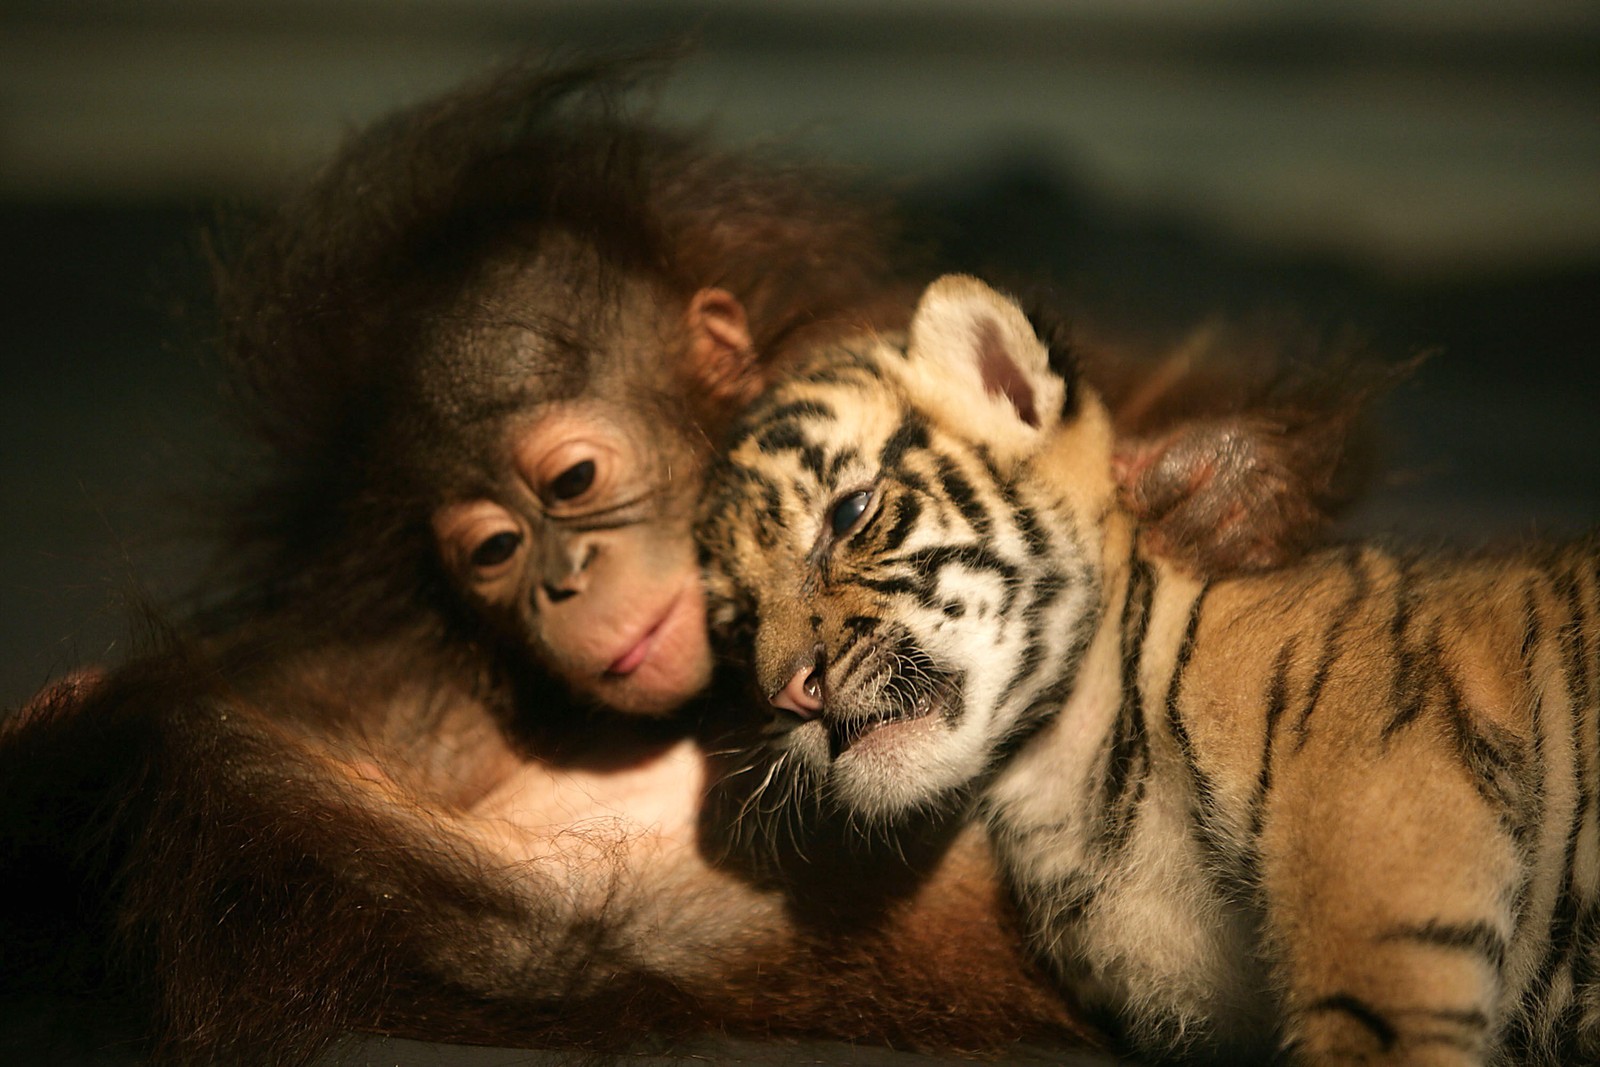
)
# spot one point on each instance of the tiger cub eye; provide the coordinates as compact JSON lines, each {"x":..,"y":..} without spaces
{"x":847,"y":512}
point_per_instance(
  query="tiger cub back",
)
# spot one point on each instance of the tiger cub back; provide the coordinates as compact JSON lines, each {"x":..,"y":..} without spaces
{"x":1346,"y":808}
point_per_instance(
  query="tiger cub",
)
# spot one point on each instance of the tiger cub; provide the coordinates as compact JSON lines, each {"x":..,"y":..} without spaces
{"x":1343,"y":811}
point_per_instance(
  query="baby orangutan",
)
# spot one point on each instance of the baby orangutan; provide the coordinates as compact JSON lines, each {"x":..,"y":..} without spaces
{"x":486,"y":350}
{"x":416,"y":774}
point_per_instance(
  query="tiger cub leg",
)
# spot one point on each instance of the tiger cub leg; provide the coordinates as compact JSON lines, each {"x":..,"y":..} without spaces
{"x":1388,"y":883}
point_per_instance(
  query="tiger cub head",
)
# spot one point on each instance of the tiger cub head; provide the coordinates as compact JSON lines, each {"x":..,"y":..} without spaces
{"x":910,"y":533}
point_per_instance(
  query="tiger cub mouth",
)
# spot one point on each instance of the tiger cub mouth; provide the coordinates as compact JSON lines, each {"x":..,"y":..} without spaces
{"x":894,"y":685}
{"x":847,"y":734}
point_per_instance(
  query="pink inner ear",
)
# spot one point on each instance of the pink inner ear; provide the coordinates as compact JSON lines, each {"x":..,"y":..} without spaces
{"x":1001,"y":376}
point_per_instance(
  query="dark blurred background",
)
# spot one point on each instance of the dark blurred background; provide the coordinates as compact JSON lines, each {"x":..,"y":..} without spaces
{"x":1425,"y":173}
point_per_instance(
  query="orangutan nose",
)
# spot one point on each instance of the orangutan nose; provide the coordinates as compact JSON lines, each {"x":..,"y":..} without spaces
{"x":803,"y":695}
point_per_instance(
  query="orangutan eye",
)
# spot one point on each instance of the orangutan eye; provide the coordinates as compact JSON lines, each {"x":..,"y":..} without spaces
{"x":572,"y":482}
{"x":496,"y":550}
{"x":847,"y":512}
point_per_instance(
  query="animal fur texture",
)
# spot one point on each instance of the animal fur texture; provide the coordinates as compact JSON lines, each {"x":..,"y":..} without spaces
{"x":342,"y":800}
{"x":1342,"y":810}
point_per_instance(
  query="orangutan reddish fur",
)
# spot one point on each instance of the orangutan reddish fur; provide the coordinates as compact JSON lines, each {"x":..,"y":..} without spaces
{"x":346,"y":797}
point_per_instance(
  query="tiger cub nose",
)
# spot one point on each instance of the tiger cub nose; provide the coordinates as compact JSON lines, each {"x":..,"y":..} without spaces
{"x":803,"y":694}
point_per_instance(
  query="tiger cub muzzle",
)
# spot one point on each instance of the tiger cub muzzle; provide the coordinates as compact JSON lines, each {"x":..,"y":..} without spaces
{"x":880,"y":681}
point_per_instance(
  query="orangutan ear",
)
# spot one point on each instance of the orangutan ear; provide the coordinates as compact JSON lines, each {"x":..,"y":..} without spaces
{"x":721,"y":357}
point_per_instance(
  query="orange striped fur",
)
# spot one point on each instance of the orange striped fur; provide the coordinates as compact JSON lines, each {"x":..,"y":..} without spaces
{"x":1344,"y":810}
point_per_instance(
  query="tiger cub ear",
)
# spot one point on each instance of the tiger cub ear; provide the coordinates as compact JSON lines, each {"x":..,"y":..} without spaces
{"x":979,"y":365}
